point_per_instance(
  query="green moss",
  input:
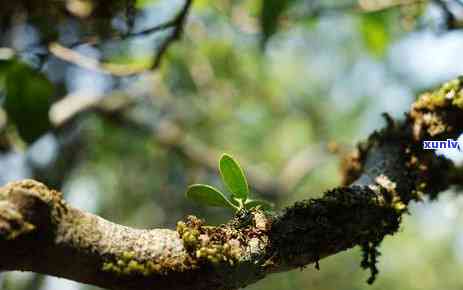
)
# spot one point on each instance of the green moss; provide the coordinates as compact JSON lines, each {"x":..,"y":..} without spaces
{"x":216,"y":253}
{"x":433,"y":112}
{"x":128,"y":265}
{"x":209,"y":244}
{"x":450,"y":93}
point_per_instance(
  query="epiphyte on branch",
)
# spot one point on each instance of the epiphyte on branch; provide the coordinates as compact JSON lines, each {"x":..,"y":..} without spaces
{"x":235,"y":180}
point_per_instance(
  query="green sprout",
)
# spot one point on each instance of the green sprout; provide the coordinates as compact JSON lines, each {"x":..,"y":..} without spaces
{"x":235,"y":180}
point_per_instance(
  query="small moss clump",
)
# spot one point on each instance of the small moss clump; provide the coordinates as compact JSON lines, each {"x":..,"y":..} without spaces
{"x":450,"y":93}
{"x":126,"y":264}
{"x":433,"y":109}
{"x":209,"y":244}
{"x":387,"y":188}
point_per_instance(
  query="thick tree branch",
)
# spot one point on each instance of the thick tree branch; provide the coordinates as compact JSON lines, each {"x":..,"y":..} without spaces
{"x":39,"y":232}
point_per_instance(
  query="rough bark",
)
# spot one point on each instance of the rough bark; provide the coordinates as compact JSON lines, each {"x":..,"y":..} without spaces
{"x":40,"y":232}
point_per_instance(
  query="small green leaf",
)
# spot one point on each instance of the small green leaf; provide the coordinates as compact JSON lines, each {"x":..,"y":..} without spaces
{"x":208,"y":195}
{"x":233,"y":177}
{"x":261,"y":204}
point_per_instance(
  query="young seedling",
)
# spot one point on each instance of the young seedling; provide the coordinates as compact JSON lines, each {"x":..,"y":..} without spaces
{"x":235,"y":181}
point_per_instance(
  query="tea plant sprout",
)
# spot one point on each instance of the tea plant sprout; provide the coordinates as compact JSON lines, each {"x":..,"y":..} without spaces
{"x":235,"y":181}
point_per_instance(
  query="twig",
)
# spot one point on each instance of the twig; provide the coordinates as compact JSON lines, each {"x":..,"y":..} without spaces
{"x":361,"y":6}
{"x":78,"y":59}
{"x":163,"y":26}
{"x":368,"y":6}
{"x":68,"y":54}
{"x":93,"y":40}
{"x":130,"y":12}
{"x":73,"y":106}
{"x":450,"y":19}
{"x":178,"y":22}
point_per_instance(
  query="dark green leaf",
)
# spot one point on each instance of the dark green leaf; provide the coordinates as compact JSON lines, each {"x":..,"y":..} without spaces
{"x":271,"y":10}
{"x":233,"y":177}
{"x":207,"y":195}
{"x":28,"y":99}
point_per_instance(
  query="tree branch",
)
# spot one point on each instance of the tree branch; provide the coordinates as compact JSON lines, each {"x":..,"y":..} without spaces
{"x":317,"y":9}
{"x":178,"y":22}
{"x":40,"y":232}
{"x":68,"y":54}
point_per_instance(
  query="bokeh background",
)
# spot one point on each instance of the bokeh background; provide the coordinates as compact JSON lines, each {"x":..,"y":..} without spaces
{"x":285,"y":86}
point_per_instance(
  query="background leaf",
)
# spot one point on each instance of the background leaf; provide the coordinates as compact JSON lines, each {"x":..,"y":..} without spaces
{"x":28,"y":99}
{"x":207,"y":195}
{"x":233,"y":177}
{"x":375,"y":32}
{"x":271,"y":10}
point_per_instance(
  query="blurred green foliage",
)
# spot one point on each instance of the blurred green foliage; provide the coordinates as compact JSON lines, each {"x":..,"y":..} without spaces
{"x":376,"y":32}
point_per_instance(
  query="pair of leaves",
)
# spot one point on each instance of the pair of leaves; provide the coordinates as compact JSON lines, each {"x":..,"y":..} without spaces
{"x":235,"y":180}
